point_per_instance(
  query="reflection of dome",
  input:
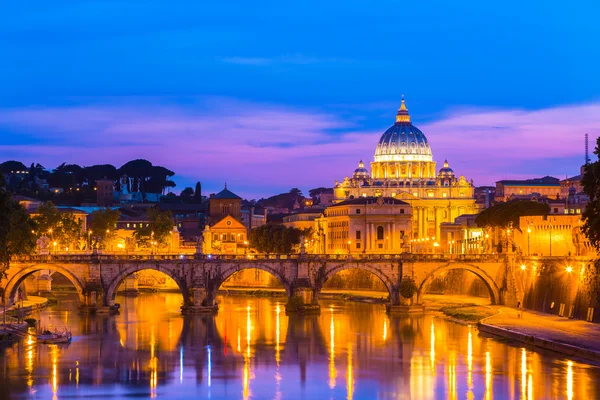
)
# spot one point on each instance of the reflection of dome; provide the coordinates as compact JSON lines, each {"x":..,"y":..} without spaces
{"x":361,"y":172}
{"x":403,"y":141}
{"x":446,"y":171}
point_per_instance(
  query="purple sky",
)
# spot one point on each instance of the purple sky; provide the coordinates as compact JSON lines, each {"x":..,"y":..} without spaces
{"x":261,"y":149}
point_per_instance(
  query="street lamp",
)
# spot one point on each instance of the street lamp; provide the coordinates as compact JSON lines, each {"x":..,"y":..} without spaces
{"x":245,"y":246}
{"x":528,"y":242}
{"x":349,"y":242}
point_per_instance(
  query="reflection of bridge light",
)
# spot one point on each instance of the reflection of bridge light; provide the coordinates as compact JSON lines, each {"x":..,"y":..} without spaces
{"x":350,"y":374}
{"x":569,"y":380}
{"x":209,"y":367}
{"x":523,"y":373}
{"x":488,"y":376}
{"x":452,"y":376}
{"x":384,"y":328}
{"x":54,"y":352}
{"x":239,"y":340}
{"x":29,"y":365}
{"x":470,"y":360}
{"x":277,"y":333}
{"x":432,"y":352}
{"x":181,"y":364}
{"x":332,"y":371}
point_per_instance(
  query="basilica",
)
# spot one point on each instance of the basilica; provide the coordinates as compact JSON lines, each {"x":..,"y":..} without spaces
{"x":403,"y":169}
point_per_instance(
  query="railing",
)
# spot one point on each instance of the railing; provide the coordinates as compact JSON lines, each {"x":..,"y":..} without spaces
{"x":403,"y":257}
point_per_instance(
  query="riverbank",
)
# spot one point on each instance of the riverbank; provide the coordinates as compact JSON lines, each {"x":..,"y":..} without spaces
{"x":574,"y":338}
{"x":27,"y":306}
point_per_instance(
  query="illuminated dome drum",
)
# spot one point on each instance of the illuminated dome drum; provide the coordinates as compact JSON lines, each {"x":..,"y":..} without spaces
{"x":403,"y":152}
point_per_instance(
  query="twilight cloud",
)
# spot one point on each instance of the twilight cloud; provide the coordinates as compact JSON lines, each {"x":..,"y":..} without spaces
{"x":265,"y":148}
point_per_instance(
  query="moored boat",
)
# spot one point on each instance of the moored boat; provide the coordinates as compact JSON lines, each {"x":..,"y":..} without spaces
{"x":55,"y":337}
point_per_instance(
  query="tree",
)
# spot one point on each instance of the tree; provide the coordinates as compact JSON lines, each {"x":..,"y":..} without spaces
{"x":198,"y":193}
{"x":591,"y":186}
{"x":103,"y":223}
{"x":62,"y":228}
{"x":501,"y":214}
{"x":186,"y":194}
{"x":16,"y":229}
{"x":158,"y":230}
{"x":272,"y":238}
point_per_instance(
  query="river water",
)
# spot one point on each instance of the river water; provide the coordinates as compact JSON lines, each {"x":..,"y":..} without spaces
{"x":252,"y":350}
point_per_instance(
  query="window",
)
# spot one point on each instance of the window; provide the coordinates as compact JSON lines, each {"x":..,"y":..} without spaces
{"x":444,"y":194}
{"x":215,"y":237}
{"x":555,"y":210}
{"x":380,"y":245}
{"x":380,"y":233}
{"x":402,"y":211}
{"x":358,"y":210}
{"x":128,"y":224}
{"x":358,"y":245}
{"x":357,"y":235}
{"x":430,"y":194}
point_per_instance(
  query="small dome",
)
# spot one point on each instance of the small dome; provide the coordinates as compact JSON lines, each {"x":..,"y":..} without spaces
{"x":361,"y":172}
{"x":446,"y":171}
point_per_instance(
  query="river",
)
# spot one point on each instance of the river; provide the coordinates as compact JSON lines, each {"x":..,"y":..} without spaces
{"x":252,"y":350}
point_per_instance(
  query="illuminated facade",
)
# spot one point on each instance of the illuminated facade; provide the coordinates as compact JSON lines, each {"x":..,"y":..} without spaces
{"x":403,"y":168}
{"x":225,"y":233}
{"x":363,"y":225}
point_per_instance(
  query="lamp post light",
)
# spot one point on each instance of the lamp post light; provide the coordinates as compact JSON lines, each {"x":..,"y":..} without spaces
{"x":349,"y":243}
{"x":528,"y":241}
{"x":245,"y":247}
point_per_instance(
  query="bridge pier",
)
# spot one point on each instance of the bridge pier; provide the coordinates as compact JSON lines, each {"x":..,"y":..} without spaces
{"x":202,"y":302}
{"x":303,"y":301}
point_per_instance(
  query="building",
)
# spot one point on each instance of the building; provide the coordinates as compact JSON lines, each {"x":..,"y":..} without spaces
{"x":510,"y":189}
{"x":225,"y":232}
{"x":302,"y":219}
{"x":105,"y":192}
{"x":552,"y":235}
{"x":363,"y":225}
{"x":223,"y":204}
{"x":404,"y":169}
{"x":252,"y":220}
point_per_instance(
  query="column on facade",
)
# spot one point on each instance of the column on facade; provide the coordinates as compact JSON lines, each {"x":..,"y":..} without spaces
{"x":424,"y":222}
{"x":418,"y":221}
{"x":437,"y":223}
{"x":393,"y":236}
{"x":368,"y":237}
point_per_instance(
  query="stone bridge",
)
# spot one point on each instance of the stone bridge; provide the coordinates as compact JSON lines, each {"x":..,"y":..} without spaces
{"x":98,"y":277}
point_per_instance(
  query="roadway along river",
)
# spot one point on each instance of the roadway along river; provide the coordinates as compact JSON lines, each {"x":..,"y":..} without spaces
{"x":252,"y":350}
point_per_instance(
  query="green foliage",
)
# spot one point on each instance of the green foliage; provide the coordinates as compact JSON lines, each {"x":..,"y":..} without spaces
{"x":284,"y":200}
{"x":468,"y":312}
{"x":591,"y":187}
{"x":272,"y":238}
{"x":16,"y":229}
{"x":158,"y":230}
{"x":103,"y":224}
{"x":62,"y":228}
{"x":502,"y":214}
{"x":408,"y":287}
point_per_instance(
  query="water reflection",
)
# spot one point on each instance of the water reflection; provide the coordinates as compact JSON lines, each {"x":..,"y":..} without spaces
{"x":350,"y":351}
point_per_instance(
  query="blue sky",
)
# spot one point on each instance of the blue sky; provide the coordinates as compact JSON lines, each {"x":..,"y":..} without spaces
{"x":269,"y":95}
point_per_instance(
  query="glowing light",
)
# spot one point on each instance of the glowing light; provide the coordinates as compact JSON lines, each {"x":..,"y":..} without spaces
{"x":470,"y":360}
{"x":277,"y":335}
{"x":488,"y":376}
{"x":209,"y":365}
{"x":569,"y":269}
{"x":350,"y":374}
{"x":523,"y":373}
{"x":569,"y":380}
{"x":384,"y":329}
{"x":332,"y":370}
{"x":523,"y":267}
{"x":432,"y":351}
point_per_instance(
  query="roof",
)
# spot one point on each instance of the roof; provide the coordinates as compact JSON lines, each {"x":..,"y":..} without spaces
{"x":18,"y":197}
{"x":370,"y":200}
{"x":70,"y":210}
{"x":573,"y":178}
{"x":226,"y":194}
{"x":545,"y":181}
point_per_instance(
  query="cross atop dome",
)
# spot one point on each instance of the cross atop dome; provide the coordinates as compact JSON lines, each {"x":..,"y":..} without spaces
{"x":402,"y":115}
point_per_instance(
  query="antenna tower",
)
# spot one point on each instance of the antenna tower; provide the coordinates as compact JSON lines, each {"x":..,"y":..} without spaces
{"x":587,"y":154}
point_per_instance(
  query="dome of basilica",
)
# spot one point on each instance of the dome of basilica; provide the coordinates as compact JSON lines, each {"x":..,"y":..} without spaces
{"x":403,"y":141}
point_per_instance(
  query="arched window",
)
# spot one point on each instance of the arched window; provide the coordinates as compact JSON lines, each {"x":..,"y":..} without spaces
{"x":380,"y":233}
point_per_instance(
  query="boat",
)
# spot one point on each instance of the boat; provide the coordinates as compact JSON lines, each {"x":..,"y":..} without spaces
{"x":55,"y":337}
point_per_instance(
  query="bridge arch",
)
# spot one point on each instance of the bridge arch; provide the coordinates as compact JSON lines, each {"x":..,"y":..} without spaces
{"x":385,"y":279}
{"x":173,"y":271}
{"x":231,"y":269}
{"x":14,"y":281}
{"x":479,"y":272}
